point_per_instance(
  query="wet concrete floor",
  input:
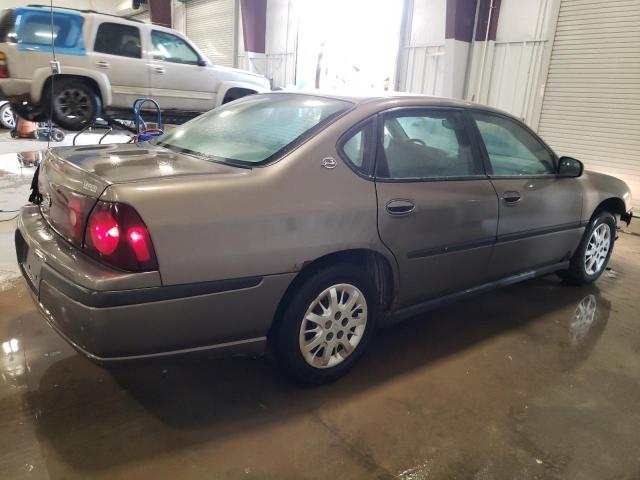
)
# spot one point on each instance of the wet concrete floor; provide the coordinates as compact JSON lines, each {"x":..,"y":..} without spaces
{"x":537,"y":380}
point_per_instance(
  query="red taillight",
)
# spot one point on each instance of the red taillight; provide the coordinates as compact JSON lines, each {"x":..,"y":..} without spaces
{"x":4,"y":69}
{"x":117,"y":235}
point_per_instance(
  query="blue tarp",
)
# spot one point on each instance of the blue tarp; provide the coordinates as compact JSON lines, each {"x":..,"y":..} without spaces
{"x":35,"y":30}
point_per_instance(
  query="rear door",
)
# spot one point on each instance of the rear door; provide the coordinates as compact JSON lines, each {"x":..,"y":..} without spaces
{"x":539,"y":211}
{"x":118,"y":53}
{"x":180,"y":79}
{"x":437,"y":210}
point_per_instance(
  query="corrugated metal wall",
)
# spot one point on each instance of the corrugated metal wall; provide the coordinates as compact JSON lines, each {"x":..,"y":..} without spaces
{"x":211,"y":26}
{"x":591,"y":106}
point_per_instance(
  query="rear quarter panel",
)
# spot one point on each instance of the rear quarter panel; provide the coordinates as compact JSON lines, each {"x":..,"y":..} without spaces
{"x":270,"y":220}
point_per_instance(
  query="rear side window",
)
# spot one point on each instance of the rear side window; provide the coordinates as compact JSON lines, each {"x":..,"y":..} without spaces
{"x":357,"y":147}
{"x":172,"y":48}
{"x":118,"y":39}
{"x":36,"y":30}
{"x":426,"y":144}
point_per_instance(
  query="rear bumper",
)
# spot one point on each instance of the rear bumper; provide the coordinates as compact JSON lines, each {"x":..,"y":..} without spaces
{"x":224,"y":317}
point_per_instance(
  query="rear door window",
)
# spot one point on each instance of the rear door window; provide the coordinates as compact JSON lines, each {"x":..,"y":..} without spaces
{"x":118,"y":39}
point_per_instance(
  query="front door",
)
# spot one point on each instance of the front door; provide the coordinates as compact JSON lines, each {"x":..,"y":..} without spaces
{"x":180,"y":79}
{"x":117,"y":52}
{"x":437,"y":211}
{"x":539,"y":211}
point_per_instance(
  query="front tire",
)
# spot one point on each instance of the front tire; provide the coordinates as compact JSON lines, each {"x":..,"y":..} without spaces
{"x":75,"y":104}
{"x":592,"y":256}
{"x":7,"y":117}
{"x":327,"y":325}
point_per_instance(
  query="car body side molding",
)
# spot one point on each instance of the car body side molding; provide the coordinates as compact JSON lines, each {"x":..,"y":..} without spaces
{"x":118,"y":298}
{"x":408,"y":312}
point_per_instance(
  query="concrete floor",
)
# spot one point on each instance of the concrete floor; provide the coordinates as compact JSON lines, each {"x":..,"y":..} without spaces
{"x":537,"y":380}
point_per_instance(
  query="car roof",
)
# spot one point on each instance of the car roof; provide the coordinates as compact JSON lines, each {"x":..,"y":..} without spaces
{"x":386,"y":100}
{"x":87,"y":12}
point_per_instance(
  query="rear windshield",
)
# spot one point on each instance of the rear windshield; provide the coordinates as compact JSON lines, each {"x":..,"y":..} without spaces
{"x":254,"y":129}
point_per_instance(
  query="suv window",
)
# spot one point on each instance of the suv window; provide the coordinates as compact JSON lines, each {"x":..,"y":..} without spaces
{"x":426,"y":144}
{"x":35,"y":30}
{"x":172,"y":48}
{"x":512,"y":150}
{"x":118,"y":39}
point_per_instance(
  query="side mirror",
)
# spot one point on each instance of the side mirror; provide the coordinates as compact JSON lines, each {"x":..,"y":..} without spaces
{"x":570,"y":167}
{"x":201,"y":63}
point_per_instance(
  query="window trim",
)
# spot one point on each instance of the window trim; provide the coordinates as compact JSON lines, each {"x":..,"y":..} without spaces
{"x":485,"y":154}
{"x":475,"y":151}
{"x":95,"y":40}
{"x":198,"y":61}
{"x":368,"y":163}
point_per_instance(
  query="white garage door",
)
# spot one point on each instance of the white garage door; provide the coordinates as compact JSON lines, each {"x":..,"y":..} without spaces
{"x":591,"y":107}
{"x":211,"y":26}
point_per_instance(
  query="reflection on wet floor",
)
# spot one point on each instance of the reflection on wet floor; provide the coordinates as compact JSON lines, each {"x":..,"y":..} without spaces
{"x":537,"y":380}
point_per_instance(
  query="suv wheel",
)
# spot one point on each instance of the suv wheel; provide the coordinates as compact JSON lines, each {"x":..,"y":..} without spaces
{"x":593,"y":253}
{"x":326,"y":326}
{"x":75,"y":104}
{"x":7,"y":117}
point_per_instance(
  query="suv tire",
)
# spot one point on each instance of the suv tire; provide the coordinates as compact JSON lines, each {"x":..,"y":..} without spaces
{"x":75,"y":103}
{"x":311,"y":353}
{"x":592,"y":255}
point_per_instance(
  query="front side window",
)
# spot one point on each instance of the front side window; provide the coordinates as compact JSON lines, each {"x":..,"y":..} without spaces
{"x":426,"y":144}
{"x":118,"y":39}
{"x":512,"y":150}
{"x":254,"y":129}
{"x":171,"y":48}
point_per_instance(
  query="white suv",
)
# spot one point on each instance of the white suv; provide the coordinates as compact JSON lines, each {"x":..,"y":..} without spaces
{"x":107,"y":63}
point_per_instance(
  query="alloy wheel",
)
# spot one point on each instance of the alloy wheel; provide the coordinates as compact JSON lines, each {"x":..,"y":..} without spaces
{"x":597,"y":249}
{"x":333,"y":326}
{"x":73,"y":103}
{"x":8,"y":118}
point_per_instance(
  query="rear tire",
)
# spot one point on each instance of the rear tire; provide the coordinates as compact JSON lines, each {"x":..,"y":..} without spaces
{"x":75,"y":103}
{"x":590,"y":259}
{"x":313,"y":353}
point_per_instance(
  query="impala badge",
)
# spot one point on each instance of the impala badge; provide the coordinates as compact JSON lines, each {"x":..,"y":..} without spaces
{"x":329,"y":163}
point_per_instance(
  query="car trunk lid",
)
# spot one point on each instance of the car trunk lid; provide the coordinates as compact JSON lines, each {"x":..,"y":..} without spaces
{"x":71,"y":179}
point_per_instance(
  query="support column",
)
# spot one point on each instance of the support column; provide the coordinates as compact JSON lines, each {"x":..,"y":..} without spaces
{"x":461,"y":15}
{"x":254,"y":27}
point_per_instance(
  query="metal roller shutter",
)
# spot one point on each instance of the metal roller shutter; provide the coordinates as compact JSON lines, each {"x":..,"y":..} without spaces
{"x":591,"y":106}
{"x":211,"y":26}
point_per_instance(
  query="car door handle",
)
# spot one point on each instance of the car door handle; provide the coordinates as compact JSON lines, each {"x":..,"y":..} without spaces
{"x":102,"y":64}
{"x":511,"y":197}
{"x":400,"y":207}
{"x":159,"y":70}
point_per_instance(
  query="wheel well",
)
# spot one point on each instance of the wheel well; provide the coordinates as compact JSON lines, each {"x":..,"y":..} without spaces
{"x":235,"y":93}
{"x":613,"y":205}
{"x":88,"y":81}
{"x":375,"y":264}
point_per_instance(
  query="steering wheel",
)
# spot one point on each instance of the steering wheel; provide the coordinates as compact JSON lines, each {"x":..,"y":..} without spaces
{"x":417,"y":141}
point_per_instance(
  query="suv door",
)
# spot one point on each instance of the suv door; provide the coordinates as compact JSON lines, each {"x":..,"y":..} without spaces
{"x":180,"y":79}
{"x":437,"y":211}
{"x":117,"y":52}
{"x":539,"y":211}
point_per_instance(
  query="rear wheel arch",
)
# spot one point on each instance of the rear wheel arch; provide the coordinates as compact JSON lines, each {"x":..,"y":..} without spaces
{"x":46,"y":87}
{"x":377,"y":265}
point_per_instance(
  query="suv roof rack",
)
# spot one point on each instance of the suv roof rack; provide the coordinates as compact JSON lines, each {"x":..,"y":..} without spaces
{"x":48,"y":7}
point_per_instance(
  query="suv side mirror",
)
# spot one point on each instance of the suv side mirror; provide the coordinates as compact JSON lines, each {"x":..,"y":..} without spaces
{"x":201,"y":63}
{"x":570,"y":167}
